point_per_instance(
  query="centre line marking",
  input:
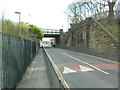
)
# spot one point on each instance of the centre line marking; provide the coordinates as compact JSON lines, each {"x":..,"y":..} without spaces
{"x":87,"y":64}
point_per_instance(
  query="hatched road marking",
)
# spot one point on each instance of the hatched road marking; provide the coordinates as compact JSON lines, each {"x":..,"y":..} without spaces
{"x":68,"y":70}
{"x":87,"y":64}
{"x":85,"y":69}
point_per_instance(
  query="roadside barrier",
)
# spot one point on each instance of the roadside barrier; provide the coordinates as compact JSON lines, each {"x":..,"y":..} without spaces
{"x":56,"y":79}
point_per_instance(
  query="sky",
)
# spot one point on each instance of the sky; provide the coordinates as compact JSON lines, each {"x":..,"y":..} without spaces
{"x":47,"y":14}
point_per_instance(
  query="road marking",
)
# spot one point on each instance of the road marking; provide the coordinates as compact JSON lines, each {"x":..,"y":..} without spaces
{"x":94,"y":56}
{"x":99,"y":58}
{"x":85,"y":69}
{"x":68,"y":70}
{"x":61,"y":77}
{"x":87,"y":64}
{"x":100,"y":66}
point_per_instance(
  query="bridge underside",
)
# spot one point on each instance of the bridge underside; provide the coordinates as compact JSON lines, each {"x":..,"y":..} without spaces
{"x":51,"y":35}
{"x":57,"y":38}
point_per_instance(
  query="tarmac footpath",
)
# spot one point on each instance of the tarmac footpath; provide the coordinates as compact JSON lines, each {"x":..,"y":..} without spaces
{"x":36,"y":75}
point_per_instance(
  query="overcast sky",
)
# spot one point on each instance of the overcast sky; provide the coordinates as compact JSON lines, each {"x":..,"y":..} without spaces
{"x":43,"y":13}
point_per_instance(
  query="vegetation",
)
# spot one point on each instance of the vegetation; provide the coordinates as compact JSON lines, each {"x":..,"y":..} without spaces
{"x":29,"y":32}
{"x":80,"y":10}
{"x":35,"y":30}
{"x":83,"y":33}
{"x":0,"y":26}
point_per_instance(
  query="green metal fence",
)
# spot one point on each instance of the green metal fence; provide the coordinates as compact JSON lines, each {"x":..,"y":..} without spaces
{"x":17,"y":54}
{"x":0,"y":61}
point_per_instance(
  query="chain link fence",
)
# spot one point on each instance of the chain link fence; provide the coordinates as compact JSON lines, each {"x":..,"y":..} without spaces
{"x":17,"y":53}
{"x":0,"y":61}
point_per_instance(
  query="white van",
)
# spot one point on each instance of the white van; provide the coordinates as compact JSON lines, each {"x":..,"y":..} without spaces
{"x":45,"y":44}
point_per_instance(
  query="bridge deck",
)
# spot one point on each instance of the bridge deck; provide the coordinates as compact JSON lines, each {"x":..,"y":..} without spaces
{"x":50,"y":32}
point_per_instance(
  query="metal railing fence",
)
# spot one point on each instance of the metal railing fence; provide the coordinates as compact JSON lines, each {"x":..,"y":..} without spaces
{"x":0,"y":61}
{"x":17,"y":54}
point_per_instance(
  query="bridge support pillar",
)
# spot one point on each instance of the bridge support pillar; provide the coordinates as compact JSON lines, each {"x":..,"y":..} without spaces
{"x":57,"y":40}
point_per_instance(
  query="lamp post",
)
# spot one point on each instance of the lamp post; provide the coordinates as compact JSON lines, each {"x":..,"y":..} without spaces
{"x":19,"y":22}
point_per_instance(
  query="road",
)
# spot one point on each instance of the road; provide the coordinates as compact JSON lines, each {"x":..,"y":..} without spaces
{"x":85,"y":71}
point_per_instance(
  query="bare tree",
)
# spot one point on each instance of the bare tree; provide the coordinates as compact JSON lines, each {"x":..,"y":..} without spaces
{"x":111,"y":4}
{"x":80,"y":10}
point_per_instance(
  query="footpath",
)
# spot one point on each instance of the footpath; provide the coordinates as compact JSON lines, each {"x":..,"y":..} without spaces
{"x":36,"y":74}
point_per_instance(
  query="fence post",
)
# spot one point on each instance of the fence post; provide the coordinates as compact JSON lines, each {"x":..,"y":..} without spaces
{"x":87,"y":31}
{"x":1,"y":70}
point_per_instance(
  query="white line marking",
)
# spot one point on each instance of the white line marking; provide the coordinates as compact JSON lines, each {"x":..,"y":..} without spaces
{"x":86,"y":63}
{"x":68,"y":70}
{"x":94,"y":56}
{"x":99,"y":58}
{"x":85,"y":69}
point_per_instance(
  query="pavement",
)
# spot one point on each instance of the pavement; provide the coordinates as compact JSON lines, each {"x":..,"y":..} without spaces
{"x":36,"y":75}
{"x":85,"y":71}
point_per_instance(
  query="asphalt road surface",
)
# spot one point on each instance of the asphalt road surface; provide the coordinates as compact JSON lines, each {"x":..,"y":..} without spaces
{"x":85,"y":71}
